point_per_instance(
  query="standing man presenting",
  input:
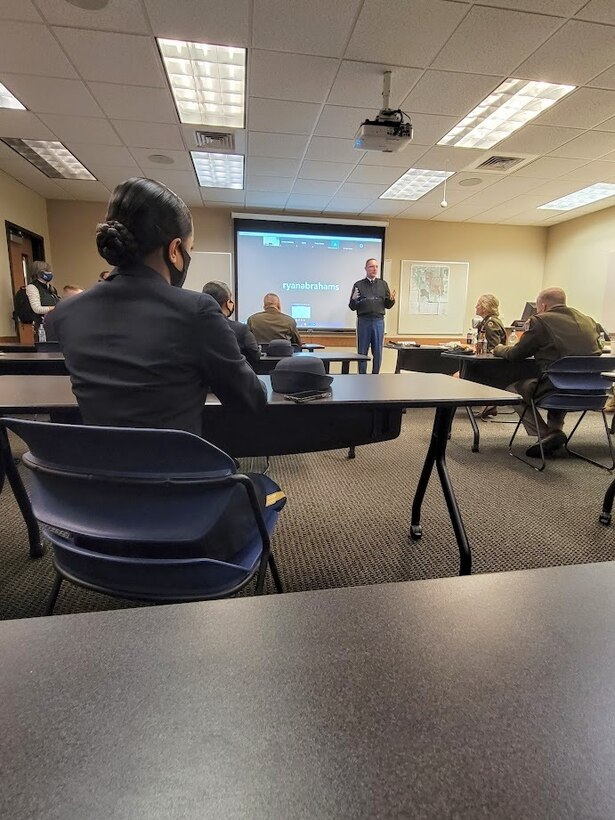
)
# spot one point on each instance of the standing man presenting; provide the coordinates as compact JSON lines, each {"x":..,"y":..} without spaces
{"x":370,"y":298}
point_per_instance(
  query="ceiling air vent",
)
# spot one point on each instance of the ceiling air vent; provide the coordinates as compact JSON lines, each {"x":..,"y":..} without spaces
{"x":215,"y":140}
{"x":501,"y":163}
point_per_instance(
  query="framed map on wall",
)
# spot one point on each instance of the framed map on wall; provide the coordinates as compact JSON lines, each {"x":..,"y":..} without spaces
{"x":433,"y":297}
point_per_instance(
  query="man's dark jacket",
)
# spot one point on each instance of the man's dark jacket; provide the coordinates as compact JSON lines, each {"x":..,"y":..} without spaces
{"x":141,"y":353}
{"x":246,"y":341}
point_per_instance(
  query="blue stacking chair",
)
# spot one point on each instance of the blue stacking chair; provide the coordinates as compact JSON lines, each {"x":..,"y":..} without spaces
{"x":577,"y":386}
{"x":135,"y":507}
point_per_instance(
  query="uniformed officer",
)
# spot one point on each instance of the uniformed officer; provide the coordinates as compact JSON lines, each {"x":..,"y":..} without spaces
{"x":488,"y":308}
{"x":555,"y":331}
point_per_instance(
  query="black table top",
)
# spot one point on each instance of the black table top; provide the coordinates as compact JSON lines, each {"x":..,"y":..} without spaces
{"x":333,"y":355}
{"x":419,"y":346}
{"x":31,"y":357}
{"x":25,"y":394}
{"x":484,"y":696}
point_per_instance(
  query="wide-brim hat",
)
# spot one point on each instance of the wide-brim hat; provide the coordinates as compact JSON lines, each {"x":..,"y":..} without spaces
{"x":279,"y":347}
{"x":300,"y":373}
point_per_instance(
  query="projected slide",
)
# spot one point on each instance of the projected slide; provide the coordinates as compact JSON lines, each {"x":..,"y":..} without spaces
{"x":312,"y":273}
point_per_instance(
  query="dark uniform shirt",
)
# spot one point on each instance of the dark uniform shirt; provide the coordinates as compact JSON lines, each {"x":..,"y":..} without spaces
{"x":560,"y":331}
{"x":493,"y":330}
{"x":374,"y":298}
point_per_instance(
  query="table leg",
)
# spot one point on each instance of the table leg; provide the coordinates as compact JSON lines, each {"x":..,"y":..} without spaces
{"x":475,"y":431}
{"x":21,"y":496}
{"x":607,"y":504}
{"x":436,"y":454}
{"x":345,"y":368}
{"x":328,"y":367}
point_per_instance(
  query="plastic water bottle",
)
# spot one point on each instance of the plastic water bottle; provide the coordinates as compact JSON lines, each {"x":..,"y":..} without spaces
{"x":41,"y":335}
{"x":513,"y":338}
{"x":470,"y":336}
{"x":601,"y":340}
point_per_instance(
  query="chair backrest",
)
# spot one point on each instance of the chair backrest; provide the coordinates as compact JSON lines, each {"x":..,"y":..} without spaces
{"x":578,"y":383}
{"x":150,"y":514}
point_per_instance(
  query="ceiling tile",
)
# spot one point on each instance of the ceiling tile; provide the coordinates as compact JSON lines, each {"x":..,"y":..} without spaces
{"x":443,"y":92}
{"x":181,"y":160}
{"x":31,"y":48}
{"x":282,"y":117}
{"x":279,"y":185}
{"x":124,"y":14}
{"x":49,"y":95}
{"x":317,"y":27}
{"x":473,"y":46}
{"x":330,"y":149}
{"x":128,"y":102}
{"x":405,"y":159}
{"x":305,"y":202}
{"x":575,"y":54}
{"x":597,"y":171}
{"x":222,"y":195}
{"x":225,"y":22}
{"x":149,"y":135}
{"x":360,"y":84}
{"x":183,"y":183}
{"x":340,"y":121}
{"x":598,"y":11}
{"x":536,"y":139}
{"x":608,"y":125}
{"x":286,"y":146}
{"x":113,"y":58}
{"x":563,"y":8}
{"x":316,"y":187}
{"x":24,"y":125}
{"x":591,"y":145}
{"x":296,"y":77}
{"x":549,"y":167}
{"x":329,"y":171}
{"x":270,"y":166}
{"x":402,"y":33}
{"x":19,"y":10}
{"x":605,"y":80}
{"x":356,"y":190}
{"x":85,"y":190}
{"x":375,"y":174}
{"x":21,"y":170}
{"x":429,"y":128}
{"x":421,"y":210}
{"x":445,"y":158}
{"x":101,"y":155}
{"x":385,"y":207}
{"x":261,"y":199}
{"x":459,"y":213}
{"x":348,"y":205}
{"x":81,"y":129}
{"x":583,"y":108}
{"x":111,"y":176}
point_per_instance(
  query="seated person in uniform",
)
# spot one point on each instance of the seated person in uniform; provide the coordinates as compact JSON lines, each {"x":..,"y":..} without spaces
{"x":245,"y":339}
{"x":492,"y":330}
{"x":272,"y":324}
{"x":555,"y":331}
{"x":142,"y":352}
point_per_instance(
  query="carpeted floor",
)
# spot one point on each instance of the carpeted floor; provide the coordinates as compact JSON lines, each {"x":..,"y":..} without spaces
{"x":346,"y":522}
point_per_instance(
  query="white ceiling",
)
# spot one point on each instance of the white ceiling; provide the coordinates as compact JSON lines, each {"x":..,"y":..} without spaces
{"x":94,"y":80}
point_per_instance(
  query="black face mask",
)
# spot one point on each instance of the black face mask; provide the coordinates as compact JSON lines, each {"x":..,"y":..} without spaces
{"x":178,"y":277}
{"x":231,"y":312}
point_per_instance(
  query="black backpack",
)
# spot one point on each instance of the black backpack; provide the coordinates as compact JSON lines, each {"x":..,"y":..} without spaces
{"x":23,"y":311}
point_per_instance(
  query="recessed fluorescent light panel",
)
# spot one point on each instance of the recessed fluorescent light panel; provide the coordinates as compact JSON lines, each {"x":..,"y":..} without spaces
{"x":208,"y":82}
{"x":415,"y":183}
{"x":50,"y":157}
{"x":513,"y":104}
{"x":593,"y":193}
{"x":218,"y":170}
{"x":8,"y":100}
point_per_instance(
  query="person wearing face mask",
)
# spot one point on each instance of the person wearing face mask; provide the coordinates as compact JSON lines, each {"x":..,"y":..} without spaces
{"x":245,"y":338}
{"x":140,"y":351}
{"x":42,"y":295}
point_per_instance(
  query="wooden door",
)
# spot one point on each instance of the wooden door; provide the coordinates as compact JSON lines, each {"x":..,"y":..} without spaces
{"x":20,"y":257}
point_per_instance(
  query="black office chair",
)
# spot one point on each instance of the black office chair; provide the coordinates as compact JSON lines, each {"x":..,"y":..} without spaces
{"x":577,"y":386}
{"x":148,"y":514}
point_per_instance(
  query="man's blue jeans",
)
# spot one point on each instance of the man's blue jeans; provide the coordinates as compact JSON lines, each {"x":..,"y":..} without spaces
{"x":370,"y":333}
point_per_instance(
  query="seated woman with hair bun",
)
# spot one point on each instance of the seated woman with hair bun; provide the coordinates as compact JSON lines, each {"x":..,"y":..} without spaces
{"x":140,"y":351}
{"x":491,"y":326}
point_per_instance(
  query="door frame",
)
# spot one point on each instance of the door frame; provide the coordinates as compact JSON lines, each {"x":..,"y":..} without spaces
{"x":38,"y":254}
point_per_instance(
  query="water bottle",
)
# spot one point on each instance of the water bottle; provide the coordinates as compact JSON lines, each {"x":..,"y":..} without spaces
{"x":470,"y":336}
{"x":41,"y":335}
{"x":601,"y":340}
{"x":513,"y":339}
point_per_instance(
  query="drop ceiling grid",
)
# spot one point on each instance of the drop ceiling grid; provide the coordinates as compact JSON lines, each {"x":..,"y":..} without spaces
{"x":314,"y":73}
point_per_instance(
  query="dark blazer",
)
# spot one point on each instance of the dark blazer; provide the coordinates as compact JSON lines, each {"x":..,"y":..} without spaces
{"x":142,"y":353}
{"x":246,"y":341}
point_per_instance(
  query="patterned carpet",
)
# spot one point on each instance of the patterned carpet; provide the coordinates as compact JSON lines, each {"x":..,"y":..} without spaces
{"x":346,"y":522}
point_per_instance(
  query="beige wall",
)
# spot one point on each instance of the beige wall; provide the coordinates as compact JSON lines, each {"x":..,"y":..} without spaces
{"x":577,"y":259}
{"x":504,"y":259}
{"x":24,"y":208}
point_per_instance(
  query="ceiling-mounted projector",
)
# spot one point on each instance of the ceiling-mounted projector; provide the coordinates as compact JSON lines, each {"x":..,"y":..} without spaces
{"x":389,"y":131}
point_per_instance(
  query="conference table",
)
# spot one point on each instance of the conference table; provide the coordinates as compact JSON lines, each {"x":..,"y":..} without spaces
{"x":424,"y":358}
{"x":360,"y":409}
{"x":487,"y":696}
{"x":327,"y":357}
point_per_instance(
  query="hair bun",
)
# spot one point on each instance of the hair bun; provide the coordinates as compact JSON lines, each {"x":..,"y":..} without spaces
{"x":116,"y":244}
